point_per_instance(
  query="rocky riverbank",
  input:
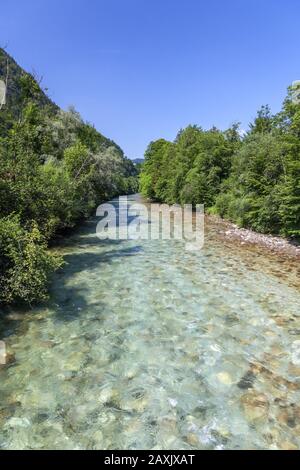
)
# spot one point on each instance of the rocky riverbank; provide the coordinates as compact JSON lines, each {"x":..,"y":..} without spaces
{"x":244,"y":236}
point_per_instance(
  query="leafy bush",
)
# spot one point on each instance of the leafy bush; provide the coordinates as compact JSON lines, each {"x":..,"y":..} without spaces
{"x":25,"y":262}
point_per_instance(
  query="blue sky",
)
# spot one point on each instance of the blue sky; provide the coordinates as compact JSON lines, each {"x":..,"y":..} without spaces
{"x":142,"y":69}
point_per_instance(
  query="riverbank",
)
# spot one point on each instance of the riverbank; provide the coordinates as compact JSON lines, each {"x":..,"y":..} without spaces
{"x":274,"y":244}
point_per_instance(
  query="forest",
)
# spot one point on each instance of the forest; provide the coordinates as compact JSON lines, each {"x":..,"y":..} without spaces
{"x":251,"y":178}
{"x":54,"y":170}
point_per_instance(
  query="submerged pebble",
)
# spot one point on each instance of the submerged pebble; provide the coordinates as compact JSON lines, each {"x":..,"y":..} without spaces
{"x":255,"y":405}
{"x":225,"y":378}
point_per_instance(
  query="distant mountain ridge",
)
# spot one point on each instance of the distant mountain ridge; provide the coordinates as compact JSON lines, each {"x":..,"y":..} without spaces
{"x":137,"y":161}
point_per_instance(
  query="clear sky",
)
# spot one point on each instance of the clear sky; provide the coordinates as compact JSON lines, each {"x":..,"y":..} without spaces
{"x":142,"y":69}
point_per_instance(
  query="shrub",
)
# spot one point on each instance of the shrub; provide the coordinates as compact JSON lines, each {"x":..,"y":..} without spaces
{"x":25,"y":262}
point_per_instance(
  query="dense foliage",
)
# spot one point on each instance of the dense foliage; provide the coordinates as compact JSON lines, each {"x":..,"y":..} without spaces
{"x":54,"y":170}
{"x":253,"y":180}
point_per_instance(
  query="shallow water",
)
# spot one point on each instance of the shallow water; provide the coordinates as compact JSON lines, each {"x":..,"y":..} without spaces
{"x":145,"y":345}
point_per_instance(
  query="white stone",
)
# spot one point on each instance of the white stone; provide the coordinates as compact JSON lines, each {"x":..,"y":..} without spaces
{"x":17,"y":422}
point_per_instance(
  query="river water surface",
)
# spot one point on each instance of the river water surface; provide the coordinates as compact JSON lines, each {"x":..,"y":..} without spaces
{"x":144,"y":345}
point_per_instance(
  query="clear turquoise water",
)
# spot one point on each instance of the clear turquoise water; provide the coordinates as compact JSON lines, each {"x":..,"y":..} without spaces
{"x":145,"y":345}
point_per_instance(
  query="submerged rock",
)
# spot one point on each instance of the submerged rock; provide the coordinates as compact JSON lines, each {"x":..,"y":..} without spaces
{"x":289,"y":415}
{"x":17,"y":422}
{"x":255,"y":405}
{"x":294,"y":332}
{"x":107,"y":395}
{"x":138,"y":405}
{"x":287,"y":445}
{"x":10,"y":358}
{"x":98,"y":440}
{"x":131,"y":373}
{"x":168,"y":423}
{"x":247,"y":380}
{"x":225,"y":378}
{"x":75,"y":361}
{"x":192,"y":439}
{"x":294,"y":369}
{"x":173,"y":402}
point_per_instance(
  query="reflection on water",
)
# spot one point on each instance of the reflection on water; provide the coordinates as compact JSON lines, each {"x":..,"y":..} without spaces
{"x":146,"y":345}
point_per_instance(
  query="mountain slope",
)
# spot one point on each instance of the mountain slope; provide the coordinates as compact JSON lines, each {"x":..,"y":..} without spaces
{"x":14,"y":99}
{"x":12,"y":109}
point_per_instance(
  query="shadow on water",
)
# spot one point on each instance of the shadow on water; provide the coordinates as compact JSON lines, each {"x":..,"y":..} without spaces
{"x":87,"y":254}
{"x":11,"y":320}
{"x":70,"y":302}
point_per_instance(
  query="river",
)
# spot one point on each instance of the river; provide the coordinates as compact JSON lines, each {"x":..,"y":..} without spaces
{"x":144,"y":345}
